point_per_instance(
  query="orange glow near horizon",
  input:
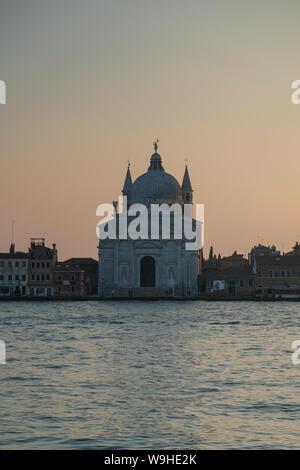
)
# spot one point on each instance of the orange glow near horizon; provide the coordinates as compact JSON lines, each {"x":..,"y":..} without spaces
{"x":91,"y":85}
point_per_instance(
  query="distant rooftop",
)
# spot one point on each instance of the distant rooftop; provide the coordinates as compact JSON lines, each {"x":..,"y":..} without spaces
{"x":80,"y":261}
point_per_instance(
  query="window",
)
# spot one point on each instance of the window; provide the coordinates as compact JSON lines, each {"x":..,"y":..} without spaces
{"x":17,"y":264}
{"x":48,"y":265}
{"x":250,"y":283}
{"x":23,"y":264}
{"x":241,"y":283}
{"x":48,"y":277}
{"x":43,"y":277}
{"x":276,"y":273}
{"x":270,"y":273}
{"x":73,"y":289}
{"x":17,"y":277}
{"x":37,"y":264}
{"x":259,"y":273}
{"x":73,"y":277}
{"x":37,"y":277}
{"x":4,"y":290}
{"x":1,"y":264}
{"x":59,"y":277}
{"x":282,"y":273}
{"x":23,"y":277}
{"x":10,"y":277}
{"x":43,"y":265}
{"x":32,"y":277}
{"x":32,"y":264}
{"x":1,"y":277}
{"x":9,"y":264}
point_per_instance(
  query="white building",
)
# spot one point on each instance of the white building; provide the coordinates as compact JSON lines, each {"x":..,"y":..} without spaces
{"x":153,"y":268}
{"x":14,"y":273}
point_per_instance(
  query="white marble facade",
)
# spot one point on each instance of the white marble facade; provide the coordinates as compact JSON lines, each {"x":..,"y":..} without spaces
{"x":150,"y":267}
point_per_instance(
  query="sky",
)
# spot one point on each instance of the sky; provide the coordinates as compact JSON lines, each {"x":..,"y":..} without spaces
{"x":91,"y":85}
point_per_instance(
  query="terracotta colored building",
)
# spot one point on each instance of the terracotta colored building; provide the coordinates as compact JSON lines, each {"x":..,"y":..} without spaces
{"x":278,"y":277}
{"x":42,"y":261}
{"x":90,"y":268}
{"x":68,"y":280}
{"x":76,"y":277}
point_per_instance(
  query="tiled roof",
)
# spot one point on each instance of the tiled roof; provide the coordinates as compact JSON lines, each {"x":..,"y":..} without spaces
{"x":80,"y":261}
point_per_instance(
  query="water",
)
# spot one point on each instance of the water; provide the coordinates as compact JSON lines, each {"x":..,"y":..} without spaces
{"x":149,"y":375}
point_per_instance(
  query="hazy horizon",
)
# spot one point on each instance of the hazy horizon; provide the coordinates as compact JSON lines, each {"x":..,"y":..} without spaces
{"x":91,"y":85}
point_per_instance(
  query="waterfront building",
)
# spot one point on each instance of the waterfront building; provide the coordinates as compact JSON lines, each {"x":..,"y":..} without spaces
{"x":90,"y":268}
{"x":42,"y":261}
{"x":68,"y":280}
{"x":266,"y":274}
{"x":76,"y":277}
{"x":231,"y":278}
{"x":150,"y":267}
{"x":262,"y":250}
{"x":14,"y":273}
{"x":278,"y":277}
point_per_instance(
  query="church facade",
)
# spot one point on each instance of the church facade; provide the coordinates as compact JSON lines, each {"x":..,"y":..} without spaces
{"x":150,"y":267}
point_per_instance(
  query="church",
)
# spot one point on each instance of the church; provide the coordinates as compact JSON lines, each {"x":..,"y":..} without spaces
{"x":150,"y":267}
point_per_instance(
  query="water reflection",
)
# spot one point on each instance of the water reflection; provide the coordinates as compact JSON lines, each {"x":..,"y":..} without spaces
{"x":149,"y":375}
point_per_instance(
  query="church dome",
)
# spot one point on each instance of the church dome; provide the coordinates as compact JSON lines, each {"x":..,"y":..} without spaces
{"x":156,"y":186}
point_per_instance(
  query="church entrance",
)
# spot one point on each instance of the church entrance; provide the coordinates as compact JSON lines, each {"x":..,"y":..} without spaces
{"x":147,"y":272}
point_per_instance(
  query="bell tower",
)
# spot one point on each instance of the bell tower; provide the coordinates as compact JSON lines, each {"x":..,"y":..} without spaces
{"x":127,"y":183}
{"x":186,"y":188}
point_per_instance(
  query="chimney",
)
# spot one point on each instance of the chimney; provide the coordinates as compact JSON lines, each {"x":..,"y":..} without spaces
{"x":12,"y":248}
{"x":54,"y":253}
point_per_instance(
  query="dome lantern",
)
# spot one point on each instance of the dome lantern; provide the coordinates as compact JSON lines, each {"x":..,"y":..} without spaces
{"x":156,"y":186}
{"x":155,"y":160}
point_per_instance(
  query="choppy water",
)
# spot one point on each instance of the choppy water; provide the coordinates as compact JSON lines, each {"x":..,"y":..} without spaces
{"x":149,"y":375}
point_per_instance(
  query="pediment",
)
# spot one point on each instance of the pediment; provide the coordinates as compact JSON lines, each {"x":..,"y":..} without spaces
{"x":147,"y":245}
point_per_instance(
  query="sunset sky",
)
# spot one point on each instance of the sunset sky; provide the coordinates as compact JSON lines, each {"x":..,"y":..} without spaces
{"x":91,"y":84}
